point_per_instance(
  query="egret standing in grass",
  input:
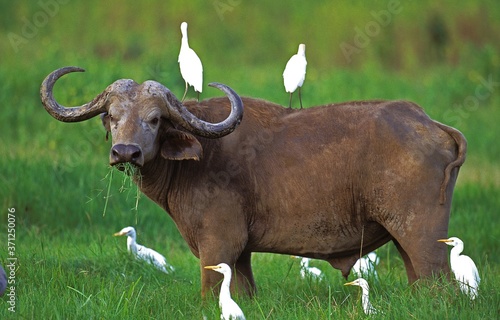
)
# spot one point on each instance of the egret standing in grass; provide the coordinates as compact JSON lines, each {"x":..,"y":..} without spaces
{"x":190,"y":64}
{"x":365,"y":300}
{"x":144,"y":253}
{"x":309,"y":272}
{"x":365,"y":266}
{"x":463,"y":267}
{"x":295,"y":73}
{"x":229,"y":309}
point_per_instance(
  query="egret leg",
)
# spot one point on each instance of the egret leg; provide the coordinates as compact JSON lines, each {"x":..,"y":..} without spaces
{"x":300,"y":98}
{"x":185,"y":91}
{"x":290,"y":102}
{"x":198,"y":96}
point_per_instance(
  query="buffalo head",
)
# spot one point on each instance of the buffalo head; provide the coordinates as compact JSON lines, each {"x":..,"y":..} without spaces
{"x":134,"y":114}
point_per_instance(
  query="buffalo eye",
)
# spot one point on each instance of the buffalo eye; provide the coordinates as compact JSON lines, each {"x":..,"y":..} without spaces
{"x":154,"y":121}
{"x":112,"y":121}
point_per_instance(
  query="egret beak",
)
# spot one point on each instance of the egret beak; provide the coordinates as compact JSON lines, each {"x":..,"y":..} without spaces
{"x":444,"y":240}
{"x":117,"y":234}
{"x":212,"y":267}
{"x":349,"y":283}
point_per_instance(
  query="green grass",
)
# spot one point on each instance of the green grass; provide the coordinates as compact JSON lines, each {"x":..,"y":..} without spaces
{"x":93,"y":276}
{"x":69,"y":202}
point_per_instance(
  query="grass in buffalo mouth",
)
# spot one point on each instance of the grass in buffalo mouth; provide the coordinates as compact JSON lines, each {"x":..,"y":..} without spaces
{"x":131,"y":180}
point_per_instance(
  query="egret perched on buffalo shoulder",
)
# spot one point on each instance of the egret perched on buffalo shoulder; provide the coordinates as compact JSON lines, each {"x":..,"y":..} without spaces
{"x":190,"y":65}
{"x":365,"y":300}
{"x":463,"y":267}
{"x":295,"y":73}
{"x":229,"y":309}
{"x":143,"y":253}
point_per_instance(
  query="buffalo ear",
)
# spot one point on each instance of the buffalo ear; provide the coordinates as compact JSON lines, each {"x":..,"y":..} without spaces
{"x":105,"y":123}
{"x":179,"y":145}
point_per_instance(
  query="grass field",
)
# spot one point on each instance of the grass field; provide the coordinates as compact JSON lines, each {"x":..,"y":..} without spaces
{"x":54,"y":176}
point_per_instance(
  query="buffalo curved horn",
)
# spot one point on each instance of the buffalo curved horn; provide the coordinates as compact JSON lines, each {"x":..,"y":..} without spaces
{"x":177,"y":111}
{"x":60,"y":112}
{"x":180,"y":114}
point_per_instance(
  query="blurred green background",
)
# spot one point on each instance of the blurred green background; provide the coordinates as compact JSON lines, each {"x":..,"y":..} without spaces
{"x":442,"y":55}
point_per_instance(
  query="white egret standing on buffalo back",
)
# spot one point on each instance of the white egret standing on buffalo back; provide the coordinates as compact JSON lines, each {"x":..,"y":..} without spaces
{"x":295,"y":73}
{"x":190,"y":64}
{"x":365,"y":300}
{"x":229,"y":309}
{"x":143,"y":253}
{"x":463,"y":267}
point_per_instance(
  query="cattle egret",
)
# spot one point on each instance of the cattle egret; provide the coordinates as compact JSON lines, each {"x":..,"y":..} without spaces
{"x":463,"y":267}
{"x":366,"y":265}
{"x":309,"y":272}
{"x":143,"y":253}
{"x":295,"y":73}
{"x":190,"y":64}
{"x":229,"y":309}
{"x":367,"y":306}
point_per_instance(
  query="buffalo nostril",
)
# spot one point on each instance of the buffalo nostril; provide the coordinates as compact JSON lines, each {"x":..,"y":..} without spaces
{"x":136,"y":155}
{"x":122,"y":153}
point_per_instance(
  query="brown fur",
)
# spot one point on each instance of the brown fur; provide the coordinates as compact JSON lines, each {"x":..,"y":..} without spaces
{"x":310,"y":182}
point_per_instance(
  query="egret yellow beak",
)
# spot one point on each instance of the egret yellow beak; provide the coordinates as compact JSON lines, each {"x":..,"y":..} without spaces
{"x":212,"y":267}
{"x":118,"y":234}
{"x":444,"y":240}
{"x":349,"y":283}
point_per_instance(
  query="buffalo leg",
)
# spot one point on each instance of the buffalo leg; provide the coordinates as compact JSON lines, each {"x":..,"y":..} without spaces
{"x":210,"y":280}
{"x":410,"y":271}
{"x":242,"y":281}
{"x":422,"y":254}
{"x":428,"y":257}
{"x":244,"y":277}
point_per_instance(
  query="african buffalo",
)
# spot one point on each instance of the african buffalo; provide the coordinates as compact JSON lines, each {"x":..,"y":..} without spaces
{"x":319,"y":182}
